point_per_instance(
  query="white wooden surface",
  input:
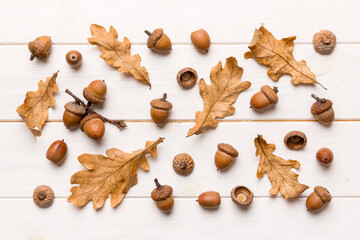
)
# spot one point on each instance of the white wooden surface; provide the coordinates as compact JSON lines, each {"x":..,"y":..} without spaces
{"x":231,"y":26}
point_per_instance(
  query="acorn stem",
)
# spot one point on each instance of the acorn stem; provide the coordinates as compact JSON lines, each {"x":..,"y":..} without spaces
{"x":164,"y":97}
{"x":158,"y":185}
{"x":275,"y":89}
{"x":32,"y":57}
{"x":317,"y":98}
{"x":147,"y":32}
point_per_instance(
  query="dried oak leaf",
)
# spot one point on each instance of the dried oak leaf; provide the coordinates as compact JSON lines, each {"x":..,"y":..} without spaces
{"x":114,"y":174}
{"x":278,"y":170}
{"x":220,"y":95}
{"x":117,"y":53}
{"x":34,"y":110}
{"x":277,"y":55}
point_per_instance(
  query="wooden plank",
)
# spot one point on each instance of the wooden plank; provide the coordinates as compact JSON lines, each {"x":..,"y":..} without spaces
{"x":128,"y":99}
{"x":139,"y":219}
{"x":229,"y":22}
{"x":24,"y":165}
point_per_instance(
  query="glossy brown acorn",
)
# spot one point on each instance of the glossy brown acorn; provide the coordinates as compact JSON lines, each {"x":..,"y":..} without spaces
{"x":73,"y":114}
{"x":201,"y":40}
{"x":265,"y":97}
{"x":74,"y":58}
{"x":318,"y":199}
{"x":93,"y":126}
{"x":324,"y":155}
{"x":225,"y":155}
{"x":57,"y":151}
{"x":160,"y":109}
{"x":95,"y":92}
{"x":209,"y":199}
{"x":158,"y":40}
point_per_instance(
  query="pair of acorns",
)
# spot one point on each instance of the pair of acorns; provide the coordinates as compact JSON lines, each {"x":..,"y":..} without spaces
{"x":75,"y":113}
{"x":322,"y":109}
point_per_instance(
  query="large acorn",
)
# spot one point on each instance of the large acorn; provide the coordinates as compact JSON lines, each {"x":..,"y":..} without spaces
{"x":322,"y":110}
{"x":93,"y":126}
{"x":160,"y":109}
{"x":73,"y":114}
{"x":95,"y":92}
{"x":265,"y":97}
{"x":40,"y":47}
{"x":162,"y":196}
{"x":158,"y":40}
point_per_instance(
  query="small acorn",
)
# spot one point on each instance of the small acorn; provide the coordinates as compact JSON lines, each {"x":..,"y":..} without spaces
{"x":73,"y":114}
{"x":95,"y":92}
{"x":93,"y":126}
{"x":264,"y":98}
{"x":318,"y":199}
{"x":325,"y":156}
{"x":158,"y":40}
{"x":57,"y":151}
{"x":162,"y":196}
{"x":40,"y":47}
{"x":74,"y":58}
{"x":225,"y":155}
{"x":210,"y":200}
{"x":201,"y":40}
{"x":160,"y":109}
{"x":322,"y":110}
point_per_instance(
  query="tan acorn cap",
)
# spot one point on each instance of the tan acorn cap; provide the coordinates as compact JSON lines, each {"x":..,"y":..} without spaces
{"x":161,"y":192}
{"x":324,"y":41}
{"x":183,"y":164}
{"x":43,"y":196}
{"x":295,"y":140}
{"x":161,"y":103}
{"x":154,"y":37}
{"x":75,"y":108}
{"x":270,"y":93}
{"x":87,"y":118}
{"x":323,"y":193}
{"x":227,"y":148}
{"x":321,"y":106}
{"x":92,"y":98}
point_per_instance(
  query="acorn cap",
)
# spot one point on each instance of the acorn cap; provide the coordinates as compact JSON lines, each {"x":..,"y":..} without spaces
{"x":192,"y":77}
{"x":161,"y":193}
{"x":154,"y":37}
{"x":323,"y":193}
{"x":295,"y":140}
{"x":92,"y":98}
{"x":321,"y":106}
{"x":183,"y":164}
{"x":43,"y":196}
{"x":270,"y":93}
{"x":241,"y":195}
{"x":227,"y":148}
{"x":87,"y":118}
{"x":324,"y":41}
{"x":162,"y":104}
{"x":75,"y":108}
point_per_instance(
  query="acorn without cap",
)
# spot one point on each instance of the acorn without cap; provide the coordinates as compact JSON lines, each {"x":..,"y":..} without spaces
{"x":162,"y":196}
{"x":95,"y":92}
{"x":40,"y":47}
{"x":73,"y":114}
{"x":322,"y":110}
{"x":93,"y":126}
{"x":318,"y":199}
{"x":265,"y":97}
{"x":160,"y":109}
{"x":158,"y":40}
{"x":225,"y":155}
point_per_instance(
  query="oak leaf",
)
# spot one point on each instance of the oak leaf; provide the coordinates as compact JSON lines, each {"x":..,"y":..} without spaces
{"x":220,"y":95}
{"x":34,"y":110}
{"x":277,"y":55}
{"x":278,"y":170}
{"x":112,"y":174}
{"x":117,"y":53}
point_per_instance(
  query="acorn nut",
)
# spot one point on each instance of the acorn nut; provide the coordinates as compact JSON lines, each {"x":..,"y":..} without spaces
{"x":210,"y":200}
{"x":95,"y":92}
{"x":322,"y":110}
{"x":40,"y":47}
{"x":57,"y":151}
{"x":201,"y":40}
{"x":242,"y":196}
{"x":162,"y":196}
{"x":324,"y":155}
{"x":318,"y":199}
{"x":265,"y":97}
{"x":295,"y":140}
{"x":324,"y":42}
{"x":43,"y":196}
{"x":158,"y":40}
{"x":160,"y":109}
{"x":74,"y":58}
{"x":225,"y":155}
{"x":93,"y":126}
{"x":187,"y":77}
{"x":183,"y":164}
{"x":73,"y":114}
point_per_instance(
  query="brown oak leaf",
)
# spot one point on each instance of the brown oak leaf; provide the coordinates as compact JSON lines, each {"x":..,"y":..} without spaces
{"x":220,"y":95}
{"x":112,"y":174}
{"x":117,"y":53}
{"x":278,"y":170}
{"x":34,"y":110}
{"x":277,"y":55}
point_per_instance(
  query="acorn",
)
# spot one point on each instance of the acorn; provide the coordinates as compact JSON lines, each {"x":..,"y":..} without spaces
{"x":201,"y":40}
{"x":93,"y":126}
{"x":158,"y":40}
{"x":40,"y":47}
{"x":265,"y":97}
{"x":95,"y":92}
{"x":162,"y":196}
{"x":210,"y":200}
{"x":73,"y":114}
{"x":325,"y":156}
{"x":322,"y":110}
{"x":160,"y":109}
{"x":57,"y":151}
{"x":318,"y":199}
{"x":225,"y":155}
{"x":74,"y":58}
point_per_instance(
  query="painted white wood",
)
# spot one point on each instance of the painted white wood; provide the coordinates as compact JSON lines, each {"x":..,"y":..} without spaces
{"x":273,"y":219}
{"x":227,"y":21}
{"x":24,"y":165}
{"x":129,"y":99}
